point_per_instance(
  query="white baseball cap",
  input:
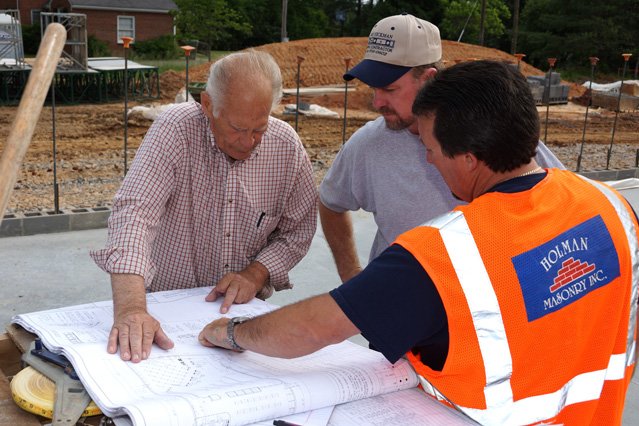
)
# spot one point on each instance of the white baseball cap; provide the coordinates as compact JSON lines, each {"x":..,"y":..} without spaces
{"x":395,"y":45}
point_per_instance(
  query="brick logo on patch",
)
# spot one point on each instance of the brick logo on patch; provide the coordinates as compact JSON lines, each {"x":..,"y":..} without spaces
{"x":566,"y":268}
{"x":571,"y":270}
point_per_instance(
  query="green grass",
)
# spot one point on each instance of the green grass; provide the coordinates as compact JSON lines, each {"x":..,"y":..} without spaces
{"x":180,"y":63}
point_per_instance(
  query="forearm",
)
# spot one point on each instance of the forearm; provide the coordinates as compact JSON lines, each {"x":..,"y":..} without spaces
{"x":296,"y":330}
{"x":338,"y":230}
{"x":292,"y":331}
{"x":129,"y":295}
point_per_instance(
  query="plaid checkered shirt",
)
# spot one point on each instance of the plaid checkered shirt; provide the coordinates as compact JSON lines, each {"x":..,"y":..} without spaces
{"x":186,"y":214}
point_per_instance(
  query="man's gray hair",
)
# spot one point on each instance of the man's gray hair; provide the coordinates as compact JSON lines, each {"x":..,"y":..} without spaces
{"x":252,"y":66}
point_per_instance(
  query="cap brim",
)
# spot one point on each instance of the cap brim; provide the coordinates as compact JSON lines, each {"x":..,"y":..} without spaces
{"x":375,"y":73}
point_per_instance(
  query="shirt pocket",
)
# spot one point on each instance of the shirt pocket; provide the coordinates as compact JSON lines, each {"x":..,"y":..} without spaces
{"x":258,"y":226}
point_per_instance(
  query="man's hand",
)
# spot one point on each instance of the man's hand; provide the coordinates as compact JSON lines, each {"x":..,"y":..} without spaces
{"x":239,"y":287}
{"x":134,"y":330}
{"x":214,"y":334}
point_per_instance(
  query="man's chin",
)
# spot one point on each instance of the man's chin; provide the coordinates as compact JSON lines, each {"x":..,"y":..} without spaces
{"x":395,"y":123}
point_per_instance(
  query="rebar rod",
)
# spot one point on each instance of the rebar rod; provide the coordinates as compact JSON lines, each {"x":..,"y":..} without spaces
{"x":300,"y":59}
{"x":519,"y":57}
{"x":626,"y":58}
{"x":126,"y":41}
{"x":551,"y":62}
{"x":593,"y":65}
{"x":347,"y":62}
{"x":56,"y":193}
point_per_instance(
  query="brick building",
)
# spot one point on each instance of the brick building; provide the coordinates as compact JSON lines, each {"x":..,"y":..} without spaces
{"x":107,"y":20}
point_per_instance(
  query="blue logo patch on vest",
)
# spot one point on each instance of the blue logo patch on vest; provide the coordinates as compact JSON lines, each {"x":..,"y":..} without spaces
{"x":566,"y":268}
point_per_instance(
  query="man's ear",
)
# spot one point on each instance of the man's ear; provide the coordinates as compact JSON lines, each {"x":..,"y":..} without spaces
{"x":207,"y":104}
{"x":471,"y":161}
{"x":427,"y":75}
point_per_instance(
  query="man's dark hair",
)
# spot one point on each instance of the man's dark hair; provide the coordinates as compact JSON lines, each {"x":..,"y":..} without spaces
{"x":485,"y":108}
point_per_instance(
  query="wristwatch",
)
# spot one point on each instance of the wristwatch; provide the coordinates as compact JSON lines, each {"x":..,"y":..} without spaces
{"x":230,"y":332}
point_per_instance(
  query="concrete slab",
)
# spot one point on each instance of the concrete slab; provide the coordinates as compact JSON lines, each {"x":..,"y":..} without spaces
{"x":52,"y":270}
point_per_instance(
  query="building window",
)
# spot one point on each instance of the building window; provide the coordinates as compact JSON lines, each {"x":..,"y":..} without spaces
{"x":35,"y":16}
{"x":126,"y":27}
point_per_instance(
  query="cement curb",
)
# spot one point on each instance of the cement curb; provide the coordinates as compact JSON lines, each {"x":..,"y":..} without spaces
{"x":612,"y":174}
{"x":32,"y":223}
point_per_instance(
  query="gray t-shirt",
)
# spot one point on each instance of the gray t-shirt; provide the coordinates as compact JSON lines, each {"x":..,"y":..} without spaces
{"x":385,"y":172}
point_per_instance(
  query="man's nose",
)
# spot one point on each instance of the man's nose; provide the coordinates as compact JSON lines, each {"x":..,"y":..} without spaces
{"x":248,"y":140}
{"x":378,"y":99}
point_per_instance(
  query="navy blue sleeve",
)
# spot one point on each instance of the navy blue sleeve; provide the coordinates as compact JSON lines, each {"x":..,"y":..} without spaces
{"x":395,"y":305}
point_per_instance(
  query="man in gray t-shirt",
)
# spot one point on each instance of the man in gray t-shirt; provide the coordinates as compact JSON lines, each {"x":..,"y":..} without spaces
{"x":382,"y":168}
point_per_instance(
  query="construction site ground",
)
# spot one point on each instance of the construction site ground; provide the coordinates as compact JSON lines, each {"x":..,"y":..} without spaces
{"x":89,"y":156}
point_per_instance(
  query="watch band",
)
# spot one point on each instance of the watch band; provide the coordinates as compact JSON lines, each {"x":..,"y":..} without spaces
{"x":230,"y":332}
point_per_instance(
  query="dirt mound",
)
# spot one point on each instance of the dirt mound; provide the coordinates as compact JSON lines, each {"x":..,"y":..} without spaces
{"x":324,"y":59}
{"x":324,"y":62}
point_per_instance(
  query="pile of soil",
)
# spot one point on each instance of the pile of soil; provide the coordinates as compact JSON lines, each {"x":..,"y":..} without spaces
{"x":90,"y":160}
{"x":324,"y":63}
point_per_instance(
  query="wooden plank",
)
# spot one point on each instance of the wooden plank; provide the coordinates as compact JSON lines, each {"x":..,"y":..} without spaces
{"x":10,"y":413}
{"x":10,"y":362}
{"x":21,"y":337}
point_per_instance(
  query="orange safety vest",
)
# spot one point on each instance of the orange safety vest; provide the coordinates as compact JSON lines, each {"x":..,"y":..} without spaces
{"x":540,"y":291}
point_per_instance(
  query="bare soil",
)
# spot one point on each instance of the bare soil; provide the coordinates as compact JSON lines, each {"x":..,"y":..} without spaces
{"x":89,"y":160}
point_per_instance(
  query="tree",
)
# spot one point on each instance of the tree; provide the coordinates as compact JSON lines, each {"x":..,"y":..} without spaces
{"x":462,"y":20}
{"x":210,"y":21}
{"x":573,"y":30}
{"x":304,"y":20}
{"x":307,"y":20}
{"x":265,"y":19}
{"x":430,"y":10}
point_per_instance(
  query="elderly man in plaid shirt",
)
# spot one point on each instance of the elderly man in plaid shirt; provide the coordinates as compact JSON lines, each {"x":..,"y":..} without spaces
{"x":218,"y":194}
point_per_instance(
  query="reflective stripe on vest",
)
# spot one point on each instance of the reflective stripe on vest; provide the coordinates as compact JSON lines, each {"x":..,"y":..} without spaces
{"x":628,"y":223}
{"x":493,"y":343}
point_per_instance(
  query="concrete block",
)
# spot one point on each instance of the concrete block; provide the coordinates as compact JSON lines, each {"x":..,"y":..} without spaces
{"x":555,"y":94}
{"x":538,"y":80}
{"x":538,"y":94}
{"x":604,"y":175}
{"x":11,"y":226}
{"x":555,"y":78}
{"x":42,"y":224}
{"x":626,"y":174}
{"x":560,"y":91}
{"x":89,"y":219}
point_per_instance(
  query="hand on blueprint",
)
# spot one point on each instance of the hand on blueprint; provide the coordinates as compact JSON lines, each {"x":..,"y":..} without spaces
{"x":239,"y":287}
{"x":135,"y":333}
{"x":134,"y":329}
{"x":214,"y":334}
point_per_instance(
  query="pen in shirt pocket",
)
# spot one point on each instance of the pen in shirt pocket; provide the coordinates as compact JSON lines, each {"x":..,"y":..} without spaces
{"x":260,"y":219}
